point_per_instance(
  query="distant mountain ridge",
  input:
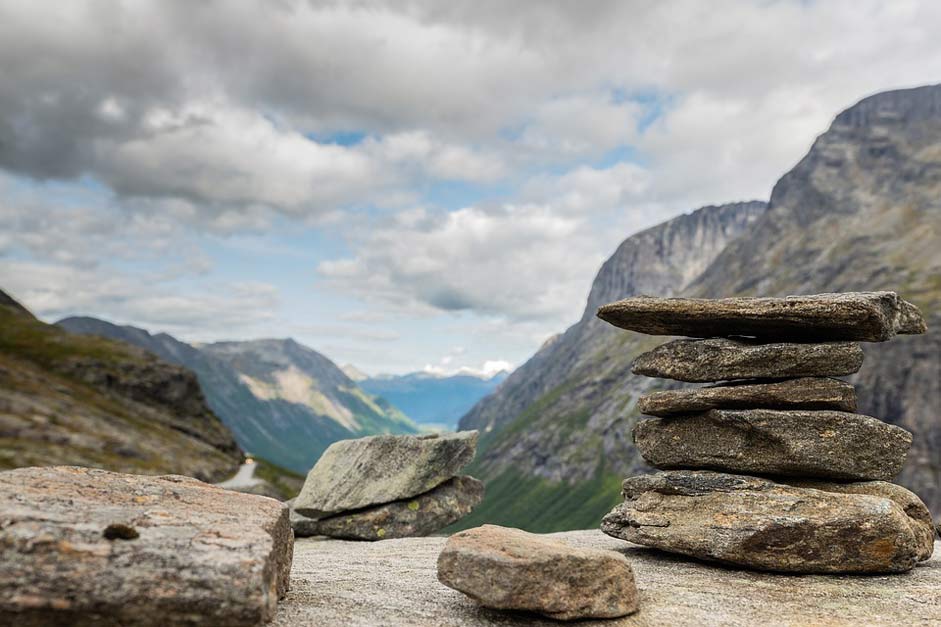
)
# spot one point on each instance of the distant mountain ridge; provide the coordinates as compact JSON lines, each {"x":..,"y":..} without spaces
{"x":67,"y":399}
{"x":283,"y":401}
{"x":434,"y":401}
{"x":862,"y":211}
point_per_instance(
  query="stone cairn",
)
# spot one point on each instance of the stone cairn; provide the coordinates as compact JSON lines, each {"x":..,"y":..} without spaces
{"x":821,"y":502}
{"x":388,"y":486}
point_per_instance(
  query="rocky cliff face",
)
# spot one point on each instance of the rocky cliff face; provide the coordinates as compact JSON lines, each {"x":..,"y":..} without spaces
{"x":861,"y":211}
{"x":283,"y":401}
{"x":66,"y":399}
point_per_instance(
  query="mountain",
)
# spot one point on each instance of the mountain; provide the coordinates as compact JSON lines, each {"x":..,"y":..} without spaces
{"x":68,"y":399}
{"x":862,"y":211}
{"x":433,"y":401}
{"x":283,"y":401}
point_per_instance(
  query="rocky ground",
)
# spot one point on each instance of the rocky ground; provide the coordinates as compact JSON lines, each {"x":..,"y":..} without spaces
{"x":394,"y":582}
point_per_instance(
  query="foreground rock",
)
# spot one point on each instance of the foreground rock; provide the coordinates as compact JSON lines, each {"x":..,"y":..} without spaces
{"x":802,"y":443}
{"x":80,"y":546}
{"x":509,"y":569}
{"x":700,"y":361}
{"x":859,"y":316}
{"x":914,"y":507}
{"x":394,"y":584}
{"x":756,"y":523}
{"x":352,"y":474}
{"x":419,"y":516}
{"x":803,"y":393}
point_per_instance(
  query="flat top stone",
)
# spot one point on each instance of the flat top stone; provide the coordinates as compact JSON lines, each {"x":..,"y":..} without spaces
{"x":394,"y":583}
{"x":83,"y":546}
{"x":719,"y":359}
{"x":802,"y":393}
{"x":352,"y":474}
{"x":859,"y":316}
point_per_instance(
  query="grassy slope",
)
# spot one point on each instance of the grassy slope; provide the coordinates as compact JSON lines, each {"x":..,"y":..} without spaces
{"x":51,"y":417}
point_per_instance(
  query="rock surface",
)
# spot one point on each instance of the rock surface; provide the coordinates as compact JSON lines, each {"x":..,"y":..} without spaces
{"x":510,"y":569}
{"x":914,"y":507}
{"x":756,"y":523}
{"x":701,"y":361}
{"x":859,"y":316}
{"x":802,"y":443}
{"x":361,"y":584}
{"x":81,"y":546}
{"x":418,"y":516}
{"x":353,"y":474}
{"x":803,"y":393}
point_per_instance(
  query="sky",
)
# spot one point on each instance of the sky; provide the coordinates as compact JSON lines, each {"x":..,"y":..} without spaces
{"x":400,"y":185}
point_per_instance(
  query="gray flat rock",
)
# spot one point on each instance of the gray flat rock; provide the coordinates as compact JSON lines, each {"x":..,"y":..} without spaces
{"x":420,"y":515}
{"x":394,"y":584}
{"x":81,"y":546}
{"x":353,"y":474}
{"x":859,"y":316}
{"x":510,"y":569}
{"x":803,"y":393}
{"x":802,"y":443}
{"x":703,"y":361}
{"x":757,"y":523}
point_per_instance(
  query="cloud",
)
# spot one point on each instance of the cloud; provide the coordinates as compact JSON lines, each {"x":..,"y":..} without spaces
{"x":522,"y":261}
{"x":53,"y":291}
{"x":216,"y":103}
{"x":130,"y":130}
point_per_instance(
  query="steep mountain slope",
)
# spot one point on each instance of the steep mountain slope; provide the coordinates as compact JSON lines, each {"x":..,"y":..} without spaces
{"x":431,"y":400}
{"x":863,"y":211}
{"x":67,"y":399}
{"x":860,"y":211}
{"x":556,"y":434}
{"x":284,"y":402}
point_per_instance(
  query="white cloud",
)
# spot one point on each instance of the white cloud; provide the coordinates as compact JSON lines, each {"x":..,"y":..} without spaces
{"x":53,"y":291}
{"x":576,"y":125}
{"x":582,"y":125}
{"x":522,"y":261}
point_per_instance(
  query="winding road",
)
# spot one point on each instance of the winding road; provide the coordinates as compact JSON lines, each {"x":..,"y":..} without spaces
{"x":244,"y":478}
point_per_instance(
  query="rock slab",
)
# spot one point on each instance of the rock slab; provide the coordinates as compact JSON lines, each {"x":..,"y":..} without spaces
{"x":418,"y":516}
{"x":760,"y":524}
{"x":353,"y":474}
{"x":858,"y":316}
{"x":509,"y":569}
{"x":801,"y":443}
{"x":702,"y":361}
{"x":82,"y":546}
{"x":394,"y":584}
{"x":803,"y":393}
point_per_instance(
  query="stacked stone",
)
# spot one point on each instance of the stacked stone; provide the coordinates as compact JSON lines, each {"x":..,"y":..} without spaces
{"x":822,"y":502}
{"x":388,"y":486}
